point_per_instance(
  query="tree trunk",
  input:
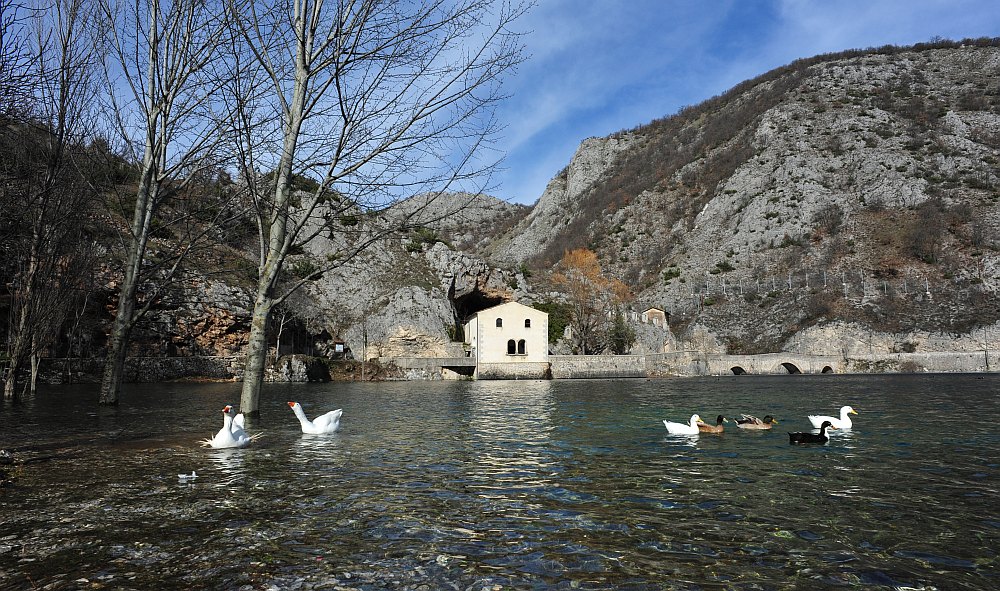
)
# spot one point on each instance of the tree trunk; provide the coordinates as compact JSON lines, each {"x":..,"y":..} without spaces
{"x":253,"y":372}
{"x":33,"y":387}
{"x":114,"y":364}
{"x":9,"y":391}
{"x":121,"y":329}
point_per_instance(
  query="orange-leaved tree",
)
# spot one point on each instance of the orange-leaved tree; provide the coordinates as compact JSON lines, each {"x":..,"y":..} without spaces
{"x":594,"y":298}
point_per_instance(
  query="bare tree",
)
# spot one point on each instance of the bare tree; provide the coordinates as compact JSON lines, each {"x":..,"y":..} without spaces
{"x":51,"y":256}
{"x":17,"y":75}
{"x":353,"y":105}
{"x":162,"y":79}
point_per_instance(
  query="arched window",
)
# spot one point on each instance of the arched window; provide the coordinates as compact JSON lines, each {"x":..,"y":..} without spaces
{"x":499,"y":322}
{"x":527,"y":323}
{"x":511,"y":347}
{"x":520,"y":347}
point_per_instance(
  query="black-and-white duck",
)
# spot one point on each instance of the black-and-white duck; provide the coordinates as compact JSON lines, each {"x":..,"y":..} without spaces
{"x":803,"y":437}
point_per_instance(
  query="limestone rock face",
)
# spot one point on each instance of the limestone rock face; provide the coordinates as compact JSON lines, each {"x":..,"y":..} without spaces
{"x":559,"y":203}
{"x":857,"y":188}
{"x":396,"y":301}
{"x":201,"y":317}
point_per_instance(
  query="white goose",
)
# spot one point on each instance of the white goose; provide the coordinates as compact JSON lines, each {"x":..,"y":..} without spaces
{"x":683,"y":429}
{"x":226,"y":437}
{"x":844,"y":422}
{"x":321,"y":425}
{"x":239,"y":425}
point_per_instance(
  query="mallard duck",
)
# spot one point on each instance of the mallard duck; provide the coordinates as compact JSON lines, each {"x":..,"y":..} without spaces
{"x":844,"y":422}
{"x":683,"y":429}
{"x":752,"y":422}
{"x":820,"y":437}
{"x":716,"y":428}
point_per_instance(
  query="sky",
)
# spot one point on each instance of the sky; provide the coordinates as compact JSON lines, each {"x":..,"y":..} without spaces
{"x":595,"y":67}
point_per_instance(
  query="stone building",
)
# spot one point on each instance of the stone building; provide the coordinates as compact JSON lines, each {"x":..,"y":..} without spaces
{"x":655,"y":316}
{"x":509,"y":341}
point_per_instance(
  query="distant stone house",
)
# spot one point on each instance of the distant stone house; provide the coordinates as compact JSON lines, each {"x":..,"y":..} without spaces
{"x":654,"y":316}
{"x":509,"y":341}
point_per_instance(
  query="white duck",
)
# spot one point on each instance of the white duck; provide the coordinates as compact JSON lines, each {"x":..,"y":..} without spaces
{"x":321,"y":425}
{"x":683,"y":429}
{"x":226,"y":437}
{"x":844,"y":422}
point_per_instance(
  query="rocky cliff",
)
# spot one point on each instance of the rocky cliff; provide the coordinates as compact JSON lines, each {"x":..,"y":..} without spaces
{"x":859,"y":189}
{"x":841,"y":203}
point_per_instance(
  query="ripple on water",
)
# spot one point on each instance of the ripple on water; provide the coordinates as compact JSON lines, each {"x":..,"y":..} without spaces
{"x":545,"y":485}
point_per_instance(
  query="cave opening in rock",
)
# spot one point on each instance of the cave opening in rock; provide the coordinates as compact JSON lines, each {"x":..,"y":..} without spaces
{"x":466,"y":305}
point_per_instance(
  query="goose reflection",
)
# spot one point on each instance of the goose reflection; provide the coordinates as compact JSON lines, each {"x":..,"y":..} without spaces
{"x":311,"y":446}
{"x":230,"y":462}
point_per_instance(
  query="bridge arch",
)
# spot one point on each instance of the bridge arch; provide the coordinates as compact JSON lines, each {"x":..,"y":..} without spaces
{"x":827,"y":369}
{"x":738,"y":371}
{"x":791,"y":367}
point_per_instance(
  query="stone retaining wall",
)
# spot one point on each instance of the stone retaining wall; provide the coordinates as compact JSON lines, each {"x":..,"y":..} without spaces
{"x":513,"y":371}
{"x":598,"y":366}
{"x":145,"y":370}
{"x":141,"y":370}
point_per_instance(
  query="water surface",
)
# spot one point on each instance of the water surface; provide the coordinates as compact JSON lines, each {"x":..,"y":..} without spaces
{"x":500,"y":485}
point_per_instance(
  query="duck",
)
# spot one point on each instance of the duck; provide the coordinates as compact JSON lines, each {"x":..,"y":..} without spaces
{"x":716,"y":428}
{"x":683,"y":429}
{"x":227,"y":437}
{"x":821,"y":437}
{"x":752,"y":422}
{"x":844,"y":422}
{"x":321,"y":425}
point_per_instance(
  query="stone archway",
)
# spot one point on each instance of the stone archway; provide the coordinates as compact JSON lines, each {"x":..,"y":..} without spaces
{"x":791,"y":367}
{"x":738,"y":371}
{"x":827,"y":369}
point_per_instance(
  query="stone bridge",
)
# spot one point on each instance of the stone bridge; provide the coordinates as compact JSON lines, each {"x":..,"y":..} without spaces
{"x":773,"y":363}
{"x":694,"y":363}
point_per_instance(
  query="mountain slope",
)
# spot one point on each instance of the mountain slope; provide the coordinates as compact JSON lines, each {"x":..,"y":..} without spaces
{"x":840,"y":188}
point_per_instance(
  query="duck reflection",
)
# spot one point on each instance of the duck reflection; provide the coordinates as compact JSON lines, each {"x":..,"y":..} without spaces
{"x":682,"y":440}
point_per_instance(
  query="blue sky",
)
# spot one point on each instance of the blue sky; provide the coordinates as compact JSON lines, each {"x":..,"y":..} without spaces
{"x":599,"y":66}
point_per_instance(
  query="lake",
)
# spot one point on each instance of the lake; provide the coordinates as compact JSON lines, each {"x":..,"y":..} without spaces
{"x":509,"y":485}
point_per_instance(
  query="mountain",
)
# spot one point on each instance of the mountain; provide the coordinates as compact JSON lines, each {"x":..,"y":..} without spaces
{"x":841,"y":205}
{"x":855,"y":190}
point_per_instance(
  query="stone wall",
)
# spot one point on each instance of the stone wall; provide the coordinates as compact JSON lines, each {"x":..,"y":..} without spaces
{"x":513,"y":371}
{"x":598,"y":366}
{"x":142,"y":370}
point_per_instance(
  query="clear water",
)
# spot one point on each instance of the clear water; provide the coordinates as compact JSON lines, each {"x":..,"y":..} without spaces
{"x":509,"y":485}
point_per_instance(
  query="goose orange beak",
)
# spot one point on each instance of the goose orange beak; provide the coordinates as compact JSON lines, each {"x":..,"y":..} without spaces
{"x":290,"y":404}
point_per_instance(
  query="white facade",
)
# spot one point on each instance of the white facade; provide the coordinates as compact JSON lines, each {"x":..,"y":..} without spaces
{"x":508,"y":333}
